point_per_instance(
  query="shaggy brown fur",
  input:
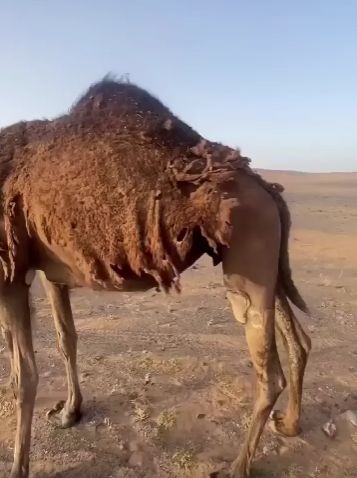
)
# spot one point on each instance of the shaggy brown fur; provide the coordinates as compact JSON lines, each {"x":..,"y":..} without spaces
{"x":121,"y":194}
{"x":146,"y":221}
{"x":154,"y":223}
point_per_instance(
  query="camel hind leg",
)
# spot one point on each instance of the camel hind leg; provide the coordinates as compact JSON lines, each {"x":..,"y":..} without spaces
{"x":15,"y":319}
{"x":250,"y":270}
{"x":69,"y":410}
{"x":298,"y":345}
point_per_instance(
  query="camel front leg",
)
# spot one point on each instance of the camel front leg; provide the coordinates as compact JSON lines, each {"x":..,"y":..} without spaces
{"x":15,"y":315}
{"x":68,"y":411}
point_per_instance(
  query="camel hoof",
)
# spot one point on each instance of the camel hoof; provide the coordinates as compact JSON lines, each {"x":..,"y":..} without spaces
{"x":280,"y":425}
{"x":61,"y":417}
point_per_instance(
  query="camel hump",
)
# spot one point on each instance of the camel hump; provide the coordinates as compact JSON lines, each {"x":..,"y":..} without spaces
{"x":119,"y":96}
{"x":134,"y":109}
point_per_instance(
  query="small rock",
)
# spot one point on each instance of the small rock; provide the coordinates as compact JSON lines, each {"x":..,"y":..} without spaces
{"x":107,"y":422}
{"x":351,"y":417}
{"x":201,"y":415}
{"x":147,"y":379}
{"x":266,"y":450}
{"x":330,"y":429}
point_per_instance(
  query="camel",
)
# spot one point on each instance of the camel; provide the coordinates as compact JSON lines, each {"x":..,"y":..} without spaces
{"x":120,"y":194}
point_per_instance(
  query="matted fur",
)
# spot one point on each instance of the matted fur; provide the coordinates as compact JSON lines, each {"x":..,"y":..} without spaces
{"x":123,"y":187}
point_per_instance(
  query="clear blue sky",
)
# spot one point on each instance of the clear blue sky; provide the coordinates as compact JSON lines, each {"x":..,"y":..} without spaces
{"x":277,"y":78}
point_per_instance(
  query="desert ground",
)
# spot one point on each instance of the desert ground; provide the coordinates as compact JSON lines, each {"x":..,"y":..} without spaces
{"x":167,"y":381}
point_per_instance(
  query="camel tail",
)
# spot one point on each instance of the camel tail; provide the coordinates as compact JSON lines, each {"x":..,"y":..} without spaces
{"x":286,"y":282}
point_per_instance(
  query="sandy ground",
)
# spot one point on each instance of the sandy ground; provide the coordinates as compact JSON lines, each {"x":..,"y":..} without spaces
{"x":167,"y":381}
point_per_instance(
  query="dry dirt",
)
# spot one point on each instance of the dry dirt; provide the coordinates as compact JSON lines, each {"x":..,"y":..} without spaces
{"x":167,"y":381}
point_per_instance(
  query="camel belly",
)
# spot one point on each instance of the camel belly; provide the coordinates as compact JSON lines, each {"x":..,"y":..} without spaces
{"x":60,"y":269}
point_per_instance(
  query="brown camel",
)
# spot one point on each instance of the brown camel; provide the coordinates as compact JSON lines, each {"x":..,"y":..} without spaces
{"x":120,"y":194}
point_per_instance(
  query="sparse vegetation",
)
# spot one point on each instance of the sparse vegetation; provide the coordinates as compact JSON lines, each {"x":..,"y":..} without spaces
{"x":141,"y":414}
{"x":184,"y":460}
{"x":166,"y":420}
